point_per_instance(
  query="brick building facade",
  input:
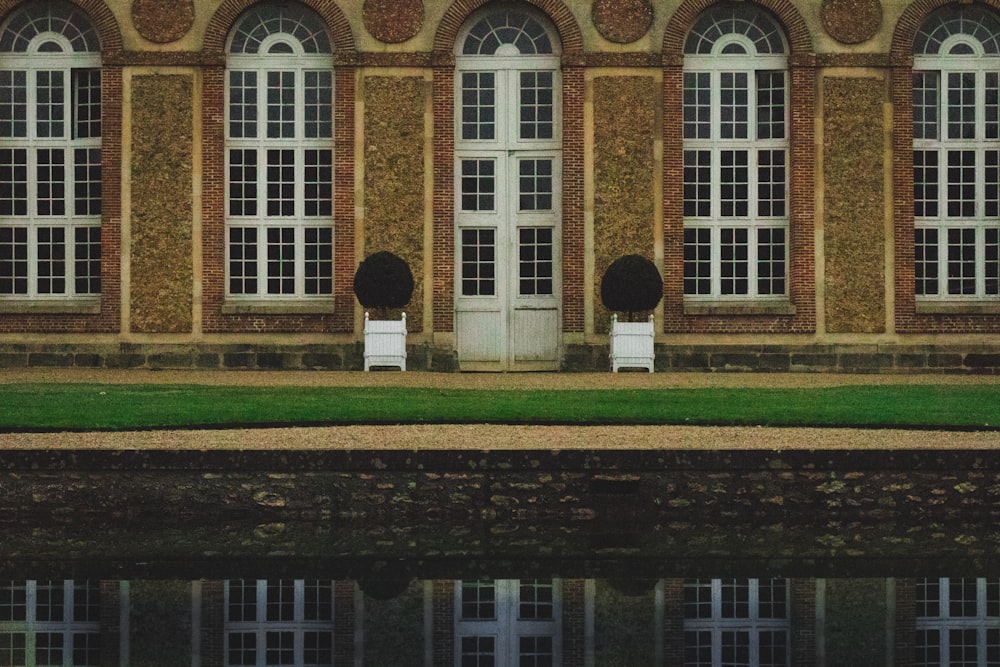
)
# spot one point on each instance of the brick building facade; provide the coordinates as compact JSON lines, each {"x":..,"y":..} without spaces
{"x":816,"y":182}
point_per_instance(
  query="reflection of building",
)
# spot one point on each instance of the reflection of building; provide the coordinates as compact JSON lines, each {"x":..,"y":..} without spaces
{"x":193,"y":183}
{"x":504,"y":622}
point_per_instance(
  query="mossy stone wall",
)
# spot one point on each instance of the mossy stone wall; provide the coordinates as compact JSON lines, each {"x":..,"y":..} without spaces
{"x":394,"y":629}
{"x":160,"y":623}
{"x":623,"y":626}
{"x":162,"y":204}
{"x":394,"y":176}
{"x":854,"y":196}
{"x":856,"y":622}
{"x":624,"y":203}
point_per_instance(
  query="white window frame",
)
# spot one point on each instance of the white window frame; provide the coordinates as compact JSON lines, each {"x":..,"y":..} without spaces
{"x":260,"y":627}
{"x":978,"y":64}
{"x":983,"y":623}
{"x":752,"y":624}
{"x":32,"y":61}
{"x":506,"y":627}
{"x":298,"y":62}
{"x":67,"y":628}
{"x":750,"y":63}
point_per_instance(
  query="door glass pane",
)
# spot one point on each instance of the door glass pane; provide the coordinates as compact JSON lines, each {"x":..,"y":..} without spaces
{"x":478,"y":652}
{"x":535,"y":185}
{"x":478,"y":263}
{"x":479,"y":598}
{"x":478,"y":185}
{"x":535,"y":262}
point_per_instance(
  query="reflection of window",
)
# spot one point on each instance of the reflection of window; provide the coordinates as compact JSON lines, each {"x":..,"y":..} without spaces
{"x":736,"y":622}
{"x":279,"y":155}
{"x":279,"y":622}
{"x":507,"y":622}
{"x":50,"y":154}
{"x":735,"y":156}
{"x":50,"y":623}
{"x":956,"y":154}
{"x":958,"y":622}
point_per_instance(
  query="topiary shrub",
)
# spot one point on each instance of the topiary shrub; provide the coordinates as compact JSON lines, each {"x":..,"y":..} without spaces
{"x":383,"y":281}
{"x":631,"y":284}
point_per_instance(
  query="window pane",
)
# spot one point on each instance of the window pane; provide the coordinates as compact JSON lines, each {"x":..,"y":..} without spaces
{"x":242,"y":280}
{"x":735,"y":184}
{"x":925,"y":184}
{"x":961,"y":105}
{"x":281,"y":105}
{"x":537,"y":111}
{"x":961,"y":261}
{"x":13,"y":104}
{"x":478,"y":597}
{"x":87,"y":271}
{"x":242,"y":105}
{"x":281,"y":183}
{"x":770,"y":105}
{"x":51,"y":268}
{"x":771,"y":184}
{"x":87,"y":103}
{"x":771,"y":256}
{"x":319,"y":105}
{"x":697,"y":261}
{"x":87,"y":181}
{"x":478,"y":105}
{"x":242,"y":182}
{"x":925,"y":105}
{"x":13,"y":280}
{"x":697,"y":184}
{"x":961,"y":184}
{"x":51,"y":182}
{"x":697,"y":105}
{"x":280,"y":280}
{"x":734,"y":105}
{"x":535,"y":600}
{"x":319,"y":280}
{"x":926,"y":270}
{"x":319,"y":183}
{"x":14,"y":182}
{"x":50,"y":104}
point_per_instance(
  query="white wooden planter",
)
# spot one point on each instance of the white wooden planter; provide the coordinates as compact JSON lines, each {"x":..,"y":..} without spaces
{"x":631,"y":344}
{"x":385,"y":343}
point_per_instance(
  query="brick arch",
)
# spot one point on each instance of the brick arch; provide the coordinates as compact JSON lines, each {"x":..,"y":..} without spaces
{"x":104,"y":21}
{"x":557,"y":11}
{"x":796,"y":30}
{"x":913,"y":17}
{"x":225,"y":17}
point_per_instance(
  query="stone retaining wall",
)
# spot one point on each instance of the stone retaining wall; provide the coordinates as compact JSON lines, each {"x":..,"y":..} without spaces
{"x":579,"y":513}
{"x":873,"y":358}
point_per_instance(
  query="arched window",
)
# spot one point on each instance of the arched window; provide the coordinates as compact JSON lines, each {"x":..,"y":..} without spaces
{"x":735,"y":156}
{"x":50,"y":155}
{"x":279,"y":139}
{"x":956,"y":155}
{"x":508,"y":160}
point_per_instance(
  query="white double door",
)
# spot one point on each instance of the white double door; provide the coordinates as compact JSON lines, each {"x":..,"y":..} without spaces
{"x":507,"y":282}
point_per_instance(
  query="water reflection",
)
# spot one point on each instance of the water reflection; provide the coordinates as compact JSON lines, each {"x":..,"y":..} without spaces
{"x":766,"y":622}
{"x":490,"y":559}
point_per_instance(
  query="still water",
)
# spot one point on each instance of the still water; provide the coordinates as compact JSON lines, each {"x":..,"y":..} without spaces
{"x":483,"y":558}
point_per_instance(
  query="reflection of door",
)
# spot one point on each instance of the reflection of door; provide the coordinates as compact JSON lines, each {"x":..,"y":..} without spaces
{"x":508,"y":622}
{"x":507,"y":205}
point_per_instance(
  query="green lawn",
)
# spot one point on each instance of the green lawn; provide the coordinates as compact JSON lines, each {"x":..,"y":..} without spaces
{"x":98,"y":407}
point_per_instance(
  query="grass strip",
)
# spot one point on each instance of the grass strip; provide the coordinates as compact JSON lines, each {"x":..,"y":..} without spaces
{"x":52,"y":407}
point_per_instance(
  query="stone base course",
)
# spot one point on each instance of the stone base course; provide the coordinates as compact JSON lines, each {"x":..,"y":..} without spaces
{"x":971,"y":359}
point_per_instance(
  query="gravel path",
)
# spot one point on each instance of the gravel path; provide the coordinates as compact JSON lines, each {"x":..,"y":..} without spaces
{"x":498,"y":437}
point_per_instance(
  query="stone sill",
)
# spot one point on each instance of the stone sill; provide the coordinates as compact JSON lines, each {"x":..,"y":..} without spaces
{"x":51,"y":307}
{"x":739,"y":308}
{"x":958,"y":307}
{"x":325,"y":307}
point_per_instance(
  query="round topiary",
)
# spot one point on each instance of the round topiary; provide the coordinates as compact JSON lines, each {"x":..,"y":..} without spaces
{"x":631,"y":284}
{"x":383,"y":280}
